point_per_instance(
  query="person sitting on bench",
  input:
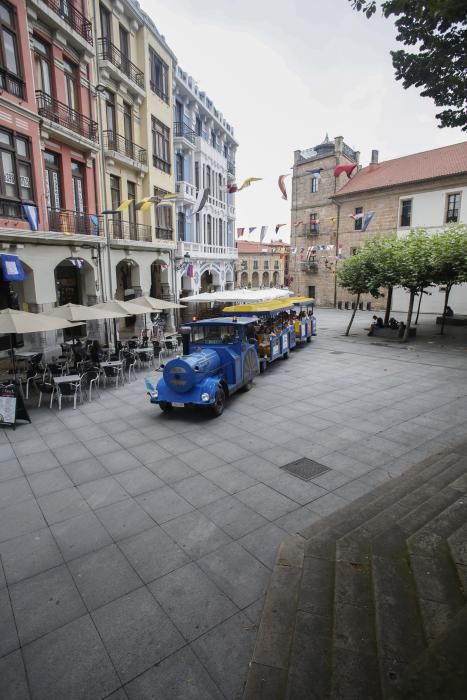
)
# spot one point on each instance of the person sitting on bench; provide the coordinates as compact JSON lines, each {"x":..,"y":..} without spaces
{"x":377,"y":323}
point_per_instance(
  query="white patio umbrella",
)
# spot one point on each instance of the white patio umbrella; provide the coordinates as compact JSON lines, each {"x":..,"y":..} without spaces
{"x":122,"y":308}
{"x":14,"y":321}
{"x":154,"y":304}
{"x":78,"y":312}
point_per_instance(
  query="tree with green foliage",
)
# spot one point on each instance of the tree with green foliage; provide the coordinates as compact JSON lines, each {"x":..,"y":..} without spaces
{"x":449,"y":251}
{"x":437,"y":29}
{"x":385,"y":254}
{"x":357,"y":274}
{"x":415,"y":267}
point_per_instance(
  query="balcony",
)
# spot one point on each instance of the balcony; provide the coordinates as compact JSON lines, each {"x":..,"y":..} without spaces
{"x":66,"y":20}
{"x":121,"y":230}
{"x":119,"y":67}
{"x":312,"y":229}
{"x":164,"y":234}
{"x":11,"y":84}
{"x":310,"y":266}
{"x":206,"y":251}
{"x":120,"y":148}
{"x":72,"y":127}
{"x":184,"y":133}
{"x":10,"y":209}
{"x":186,"y":192}
{"x":214,"y":202}
{"x":67,"y":221}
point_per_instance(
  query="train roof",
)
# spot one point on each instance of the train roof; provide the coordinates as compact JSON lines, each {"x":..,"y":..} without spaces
{"x":225,"y":321}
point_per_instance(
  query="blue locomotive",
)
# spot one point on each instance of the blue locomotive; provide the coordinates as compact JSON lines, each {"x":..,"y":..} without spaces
{"x":219,"y":358}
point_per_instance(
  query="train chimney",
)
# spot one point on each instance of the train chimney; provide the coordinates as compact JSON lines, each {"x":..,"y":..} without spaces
{"x":185,"y":332}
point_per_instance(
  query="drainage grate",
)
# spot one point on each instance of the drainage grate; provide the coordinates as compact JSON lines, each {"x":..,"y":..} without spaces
{"x":305,"y":468}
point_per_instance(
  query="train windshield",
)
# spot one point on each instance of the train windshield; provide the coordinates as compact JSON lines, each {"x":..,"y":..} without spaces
{"x":215,"y":335}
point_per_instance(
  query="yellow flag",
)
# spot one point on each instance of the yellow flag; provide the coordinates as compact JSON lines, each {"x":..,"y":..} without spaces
{"x":248,"y":181}
{"x":170,"y":195}
{"x":145,"y":203}
{"x":124,"y":205}
{"x":332,"y":219}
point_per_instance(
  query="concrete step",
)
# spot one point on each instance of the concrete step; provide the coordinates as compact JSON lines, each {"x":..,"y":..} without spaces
{"x":359,"y":626}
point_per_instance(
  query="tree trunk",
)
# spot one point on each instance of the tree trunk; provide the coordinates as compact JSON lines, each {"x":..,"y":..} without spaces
{"x":353,"y":315}
{"x":419,"y":305}
{"x":388,"y":307}
{"x":409,"y":316}
{"x":446,"y":299}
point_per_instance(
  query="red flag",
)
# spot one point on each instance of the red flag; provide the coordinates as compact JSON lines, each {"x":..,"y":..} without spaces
{"x":348,"y":169}
{"x":231,"y":189}
{"x":240,"y":232}
{"x":281,"y":184}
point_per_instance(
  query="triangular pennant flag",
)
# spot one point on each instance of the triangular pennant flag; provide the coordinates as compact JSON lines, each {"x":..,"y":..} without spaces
{"x":278,"y":226}
{"x":251,"y":229}
{"x":264,"y":230}
{"x":145,"y":203}
{"x":240,"y":232}
{"x":281,"y":184}
{"x":368,"y":217}
{"x":348,"y":169}
{"x":124,"y":205}
{"x":248,"y":181}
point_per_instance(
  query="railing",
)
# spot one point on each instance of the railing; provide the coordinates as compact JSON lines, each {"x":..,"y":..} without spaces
{"x":129,"y":230}
{"x":310,"y":266}
{"x":182,"y":130}
{"x":164,"y":234}
{"x":312,"y":229}
{"x":11,"y":83}
{"x":66,"y":221}
{"x":73,"y":17}
{"x":60,"y":113}
{"x":109,"y":52}
{"x":216,"y":202}
{"x":11,"y":210}
{"x":207,"y":248}
{"x":231,"y":167}
{"x":115,"y":142}
{"x":185,"y":189}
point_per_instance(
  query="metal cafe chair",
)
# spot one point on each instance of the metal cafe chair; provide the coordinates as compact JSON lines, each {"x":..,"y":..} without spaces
{"x":44,"y":387}
{"x":90,"y":380}
{"x":69,"y":390}
{"x":113,"y":373}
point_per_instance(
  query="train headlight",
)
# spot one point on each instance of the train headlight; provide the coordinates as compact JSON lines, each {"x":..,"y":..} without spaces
{"x":205,"y":397}
{"x":154,"y":394}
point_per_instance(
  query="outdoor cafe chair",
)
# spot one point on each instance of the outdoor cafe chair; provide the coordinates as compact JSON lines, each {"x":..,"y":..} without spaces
{"x":47,"y":388}
{"x":144,"y":358}
{"x":69,"y":390}
{"x":113,"y":373}
{"x":54,"y":369}
{"x":129,"y":363}
{"x":90,"y":380}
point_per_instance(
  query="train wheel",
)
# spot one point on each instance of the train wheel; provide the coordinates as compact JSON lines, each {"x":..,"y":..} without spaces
{"x":218,"y":406}
{"x":165,"y":406}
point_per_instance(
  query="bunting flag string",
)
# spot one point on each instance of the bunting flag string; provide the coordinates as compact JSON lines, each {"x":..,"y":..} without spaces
{"x":247,"y":182}
{"x":366,"y":220}
{"x":347,"y":169}
{"x":281,"y":184}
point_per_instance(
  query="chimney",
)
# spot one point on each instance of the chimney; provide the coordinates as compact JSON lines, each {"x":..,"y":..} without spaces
{"x":374,"y":157}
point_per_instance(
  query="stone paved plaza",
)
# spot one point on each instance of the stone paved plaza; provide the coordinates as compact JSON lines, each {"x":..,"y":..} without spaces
{"x":136,"y":547}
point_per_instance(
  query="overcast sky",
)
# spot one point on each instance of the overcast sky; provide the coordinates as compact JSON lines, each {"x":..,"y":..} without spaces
{"x":285,"y":73}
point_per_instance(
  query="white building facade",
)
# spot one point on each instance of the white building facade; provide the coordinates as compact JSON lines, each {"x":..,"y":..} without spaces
{"x":433,"y":210}
{"x":204,"y":157}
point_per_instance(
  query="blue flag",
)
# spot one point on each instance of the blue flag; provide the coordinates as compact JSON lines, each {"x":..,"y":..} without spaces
{"x":366,"y":219}
{"x":31,"y":214}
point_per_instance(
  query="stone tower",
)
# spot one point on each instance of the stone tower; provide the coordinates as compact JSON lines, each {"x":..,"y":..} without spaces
{"x":315,"y":217}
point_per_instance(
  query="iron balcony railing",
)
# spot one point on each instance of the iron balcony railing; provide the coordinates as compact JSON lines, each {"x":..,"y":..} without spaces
{"x":164,"y":234}
{"x":129,"y":230}
{"x":312,"y":229}
{"x":231,"y":167}
{"x":60,"y":113}
{"x":73,"y":17}
{"x":122,"y":145}
{"x":11,"y":210}
{"x":11,"y":83}
{"x":109,"y":52}
{"x":67,"y":221}
{"x":182,"y":130}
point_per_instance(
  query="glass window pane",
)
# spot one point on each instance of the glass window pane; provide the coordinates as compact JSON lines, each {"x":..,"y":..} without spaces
{"x":5,"y":14}
{"x":9,"y":46}
{"x":22,"y":147}
{"x":25,"y":181}
{"x":9,"y":179}
{"x":5,"y":138}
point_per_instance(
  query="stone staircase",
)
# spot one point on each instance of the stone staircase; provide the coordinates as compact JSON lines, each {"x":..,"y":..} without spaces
{"x":371,"y":602}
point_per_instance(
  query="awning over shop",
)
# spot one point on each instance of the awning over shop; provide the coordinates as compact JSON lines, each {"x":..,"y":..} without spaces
{"x":11,"y":268}
{"x":237,"y":295}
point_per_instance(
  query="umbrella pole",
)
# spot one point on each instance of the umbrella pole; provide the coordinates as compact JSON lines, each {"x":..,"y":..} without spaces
{"x":13,"y":356}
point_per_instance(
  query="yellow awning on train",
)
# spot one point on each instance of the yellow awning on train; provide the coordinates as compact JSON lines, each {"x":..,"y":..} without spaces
{"x":263,"y":307}
{"x":301,"y":300}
